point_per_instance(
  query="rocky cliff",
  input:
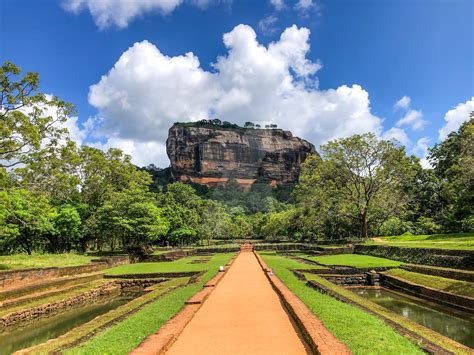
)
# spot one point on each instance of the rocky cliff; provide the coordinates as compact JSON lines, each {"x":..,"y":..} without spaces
{"x":211,"y":155}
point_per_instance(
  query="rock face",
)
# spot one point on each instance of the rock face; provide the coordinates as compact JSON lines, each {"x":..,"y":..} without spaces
{"x":213,"y":155}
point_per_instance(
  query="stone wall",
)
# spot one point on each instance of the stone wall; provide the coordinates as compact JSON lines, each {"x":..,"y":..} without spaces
{"x":347,"y":280}
{"x":459,"y":259}
{"x":457,"y":301}
{"x":27,"y":315}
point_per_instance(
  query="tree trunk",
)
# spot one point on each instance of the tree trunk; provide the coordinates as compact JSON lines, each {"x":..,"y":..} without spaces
{"x":364,"y":229}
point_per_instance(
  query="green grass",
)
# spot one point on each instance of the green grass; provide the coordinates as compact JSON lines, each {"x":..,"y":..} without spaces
{"x":462,"y":288}
{"x":24,"y":261}
{"x":440,"y":241}
{"x":361,"y":332}
{"x":354,"y":260}
{"x":128,"y":334}
{"x":179,"y":265}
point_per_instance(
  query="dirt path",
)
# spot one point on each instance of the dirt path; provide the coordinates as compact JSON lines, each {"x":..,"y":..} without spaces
{"x":242,"y":316}
{"x":379,"y":240}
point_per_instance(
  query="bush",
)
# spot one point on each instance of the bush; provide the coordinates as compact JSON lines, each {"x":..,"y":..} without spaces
{"x":427,"y":225}
{"x":395,"y":226}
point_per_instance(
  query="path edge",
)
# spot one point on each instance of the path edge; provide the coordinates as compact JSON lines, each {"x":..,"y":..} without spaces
{"x":158,"y":343}
{"x":319,"y":339}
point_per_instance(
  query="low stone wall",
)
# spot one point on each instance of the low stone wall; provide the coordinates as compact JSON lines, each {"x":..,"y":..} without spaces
{"x":27,"y":315}
{"x":459,"y":259}
{"x":348,"y":280}
{"x":462,"y":275}
{"x":457,"y":301}
{"x":16,"y":278}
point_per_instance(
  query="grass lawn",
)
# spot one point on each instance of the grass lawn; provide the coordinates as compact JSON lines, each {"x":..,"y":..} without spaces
{"x":128,"y":334}
{"x":440,"y":241}
{"x":361,"y":332}
{"x":355,"y":260}
{"x":179,"y":265}
{"x":458,"y":287}
{"x":24,"y":261}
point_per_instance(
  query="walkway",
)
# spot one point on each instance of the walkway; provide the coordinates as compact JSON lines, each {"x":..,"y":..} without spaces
{"x":243,"y":315}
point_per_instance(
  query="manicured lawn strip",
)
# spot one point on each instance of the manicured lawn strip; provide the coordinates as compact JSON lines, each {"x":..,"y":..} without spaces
{"x":179,"y":265}
{"x":439,"y":241}
{"x":111,"y":316}
{"x":354,"y":260}
{"x":362,"y":332}
{"x":128,"y":334}
{"x":458,"y":287}
{"x":24,"y":261}
{"x":42,"y":301}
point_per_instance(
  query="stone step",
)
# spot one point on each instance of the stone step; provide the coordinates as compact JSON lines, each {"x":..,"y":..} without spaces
{"x":13,"y":302}
{"x":18,"y":292}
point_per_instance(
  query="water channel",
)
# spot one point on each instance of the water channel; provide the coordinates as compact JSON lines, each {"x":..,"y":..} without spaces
{"x":40,"y":331}
{"x":450,"y":322}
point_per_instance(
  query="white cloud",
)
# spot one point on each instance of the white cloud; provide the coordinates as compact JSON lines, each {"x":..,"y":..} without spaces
{"x":421,"y":149}
{"x":397,"y":134}
{"x":278,"y":4}
{"x":413,"y":118}
{"x":120,"y":13}
{"x":455,"y":117}
{"x":146,"y":91}
{"x":304,"y":5}
{"x":268,"y":25}
{"x":403,"y":103}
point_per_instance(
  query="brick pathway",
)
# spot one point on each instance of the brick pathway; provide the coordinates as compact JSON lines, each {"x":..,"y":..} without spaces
{"x":242,"y":316}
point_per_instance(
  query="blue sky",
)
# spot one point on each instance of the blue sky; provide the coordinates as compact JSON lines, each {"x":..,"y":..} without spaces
{"x":339,"y":71}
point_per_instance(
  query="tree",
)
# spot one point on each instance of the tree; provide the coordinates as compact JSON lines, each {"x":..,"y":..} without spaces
{"x":216,"y":122}
{"x":249,"y":125}
{"x":30,"y":121}
{"x":357,"y":178}
{"x":26,"y":218}
{"x":215,"y":221}
{"x":453,"y":162}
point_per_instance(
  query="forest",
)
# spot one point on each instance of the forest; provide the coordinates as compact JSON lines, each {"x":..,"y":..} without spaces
{"x":56,"y":196}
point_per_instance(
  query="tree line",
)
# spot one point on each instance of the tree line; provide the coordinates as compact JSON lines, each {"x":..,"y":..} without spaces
{"x":56,"y":196}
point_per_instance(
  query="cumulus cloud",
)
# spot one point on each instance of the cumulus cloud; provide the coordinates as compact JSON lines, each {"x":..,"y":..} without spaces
{"x":398,"y":134}
{"x":403,"y":103}
{"x":455,"y":117}
{"x":120,"y":13}
{"x":412,"y":118}
{"x":147,"y":91}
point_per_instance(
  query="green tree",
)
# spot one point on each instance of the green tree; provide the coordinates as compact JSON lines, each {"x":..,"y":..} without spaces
{"x":30,"y":121}
{"x":453,"y":162}
{"x":356,"y":179}
{"x":26,"y":219}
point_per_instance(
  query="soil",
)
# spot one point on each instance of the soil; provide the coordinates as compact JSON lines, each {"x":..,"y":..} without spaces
{"x":243,"y":315}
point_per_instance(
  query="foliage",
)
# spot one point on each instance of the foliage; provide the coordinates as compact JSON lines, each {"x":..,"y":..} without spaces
{"x":30,"y":121}
{"x":453,"y":161}
{"x":356,"y":184}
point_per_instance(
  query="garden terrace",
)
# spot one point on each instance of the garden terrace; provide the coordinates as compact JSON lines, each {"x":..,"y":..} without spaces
{"x":328,"y":310}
